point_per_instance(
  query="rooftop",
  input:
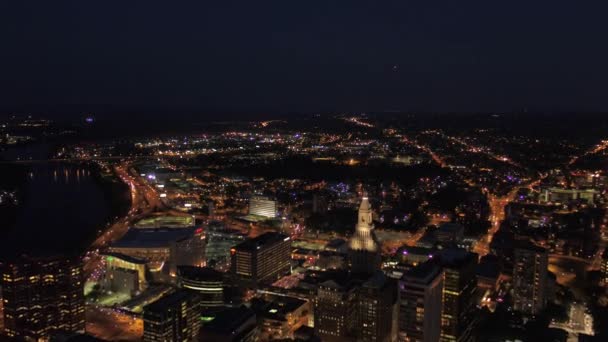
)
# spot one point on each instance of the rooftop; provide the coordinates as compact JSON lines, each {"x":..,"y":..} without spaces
{"x":229,"y":320}
{"x":124,"y":257}
{"x":264,"y":239}
{"x":424,"y":273}
{"x":152,"y":237}
{"x":199,"y":273}
{"x":169,"y":301}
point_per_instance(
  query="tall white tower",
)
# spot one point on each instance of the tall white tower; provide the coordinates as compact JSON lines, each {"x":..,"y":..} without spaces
{"x":363,"y":247}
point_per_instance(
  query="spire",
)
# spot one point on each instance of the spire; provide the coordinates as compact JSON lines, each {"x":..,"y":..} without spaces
{"x":363,"y":239}
{"x":364,"y":248}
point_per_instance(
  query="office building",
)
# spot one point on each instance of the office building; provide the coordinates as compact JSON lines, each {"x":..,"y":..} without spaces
{"x":175,"y":317}
{"x":207,"y":282}
{"x":421,"y":303}
{"x":459,"y":286}
{"x":262,"y":206}
{"x":335,"y":311}
{"x":364,"y":250}
{"x":230,"y":325}
{"x":263,"y":259}
{"x":378,"y":308}
{"x":529,"y":278}
{"x":42,"y":296}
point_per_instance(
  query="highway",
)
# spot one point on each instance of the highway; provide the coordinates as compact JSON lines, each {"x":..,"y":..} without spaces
{"x":106,"y":323}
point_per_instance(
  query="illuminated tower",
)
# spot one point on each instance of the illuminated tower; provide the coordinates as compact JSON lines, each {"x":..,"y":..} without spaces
{"x":364,"y":250}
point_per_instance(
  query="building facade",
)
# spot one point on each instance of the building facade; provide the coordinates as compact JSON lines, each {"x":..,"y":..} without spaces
{"x":42,"y":296}
{"x":262,"y":206}
{"x":421,"y":304}
{"x":364,"y":250}
{"x":262,"y":259}
{"x":459,"y":287}
{"x":530,"y":278}
{"x":207,"y":282}
{"x":175,"y":317}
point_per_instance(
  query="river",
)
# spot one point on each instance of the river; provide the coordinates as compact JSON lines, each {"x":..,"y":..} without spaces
{"x":63,"y":207}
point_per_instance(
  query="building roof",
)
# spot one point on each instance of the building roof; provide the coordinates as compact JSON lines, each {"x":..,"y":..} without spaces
{"x":229,"y":320}
{"x":278,"y":307}
{"x":415,"y":250}
{"x":529,"y":246}
{"x":455,"y":257}
{"x":169,"y":301}
{"x":259,"y":241}
{"x":153,"y":237}
{"x":199,"y":273}
{"x":124,"y":257}
{"x":424,"y":273}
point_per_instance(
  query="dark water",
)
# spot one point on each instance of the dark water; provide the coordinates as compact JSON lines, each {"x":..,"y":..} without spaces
{"x":63,"y":207}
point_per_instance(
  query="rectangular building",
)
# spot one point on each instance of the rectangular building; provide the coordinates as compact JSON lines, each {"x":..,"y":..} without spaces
{"x":262,"y":259}
{"x":262,"y":206}
{"x":459,"y":286}
{"x":421,"y":303}
{"x":529,"y":278}
{"x":42,"y":296}
{"x":175,"y":317}
{"x":335,"y":311}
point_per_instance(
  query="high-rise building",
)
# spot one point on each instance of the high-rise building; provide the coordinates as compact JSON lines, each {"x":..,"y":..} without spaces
{"x":175,"y":317}
{"x":530,"y":264}
{"x":459,"y":285}
{"x":420,"y":303}
{"x":335,"y":311}
{"x":207,"y":282}
{"x":377,"y":307}
{"x":604,"y":268}
{"x":364,"y":250}
{"x":41,"y":296}
{"x":262,"y":259}
{"x":262,"y":206}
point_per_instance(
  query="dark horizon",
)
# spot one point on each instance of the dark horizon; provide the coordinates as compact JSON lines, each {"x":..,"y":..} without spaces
{"x":305,"y":58}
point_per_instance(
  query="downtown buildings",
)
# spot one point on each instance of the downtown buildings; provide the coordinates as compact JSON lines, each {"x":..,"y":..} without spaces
{"x":42,"y":296}
{"x":360,"y":305}
{"x":175,"y":317}
{"x":262,"y":259}
{"x":530,"y":278}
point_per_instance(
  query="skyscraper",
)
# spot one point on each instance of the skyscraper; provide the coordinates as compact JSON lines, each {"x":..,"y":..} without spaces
{"x":41,"y":296}
{"x":377,"y":306}
{"x":459,"y":285}
{"x":262,"y":259}
{"x":335,"y":310}
{"x":175,"y":317}
{"x":420,"y":303}
{"x":364,"y":250}
{"x":529,"y":278}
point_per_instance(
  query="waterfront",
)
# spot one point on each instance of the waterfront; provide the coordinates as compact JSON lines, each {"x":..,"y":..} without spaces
{"x":63,"y":207}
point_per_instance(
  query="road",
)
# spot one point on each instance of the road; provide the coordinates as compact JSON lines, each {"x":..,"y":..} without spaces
{"x":111,"y":325}
{"x":106,"y":323}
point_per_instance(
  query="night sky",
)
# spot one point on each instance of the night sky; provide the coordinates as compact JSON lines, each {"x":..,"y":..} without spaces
{"x":305,"y":56}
